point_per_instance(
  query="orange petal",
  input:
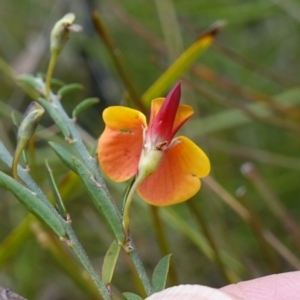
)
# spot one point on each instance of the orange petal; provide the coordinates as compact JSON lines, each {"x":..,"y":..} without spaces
{"x":121,"y":143}
{"x":184,"y":112}
{"x":177,"y":178}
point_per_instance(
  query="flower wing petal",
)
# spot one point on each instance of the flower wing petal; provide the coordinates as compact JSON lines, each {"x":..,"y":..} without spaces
{"x":177,"y":178}
{"x":155,"y":107}
{"x":121,"y":143}
{"x":184,"y":112}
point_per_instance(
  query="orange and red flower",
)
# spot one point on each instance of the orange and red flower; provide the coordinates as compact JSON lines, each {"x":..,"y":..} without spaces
{"x":170,"y":166}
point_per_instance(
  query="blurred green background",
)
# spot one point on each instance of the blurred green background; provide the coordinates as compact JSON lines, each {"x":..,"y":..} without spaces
{"x":246,"y":96}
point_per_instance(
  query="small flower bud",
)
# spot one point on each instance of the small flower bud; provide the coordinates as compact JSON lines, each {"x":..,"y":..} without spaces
{"x":61,"y":32}
{"x":30,"y":121}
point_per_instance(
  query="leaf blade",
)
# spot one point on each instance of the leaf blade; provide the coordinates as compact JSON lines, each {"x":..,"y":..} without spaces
{"x":184,"y":61}
{"x":33,"y":204}
{"x":110,"y":261}
{"x":131,"y":296}
{"x":160,"y":274}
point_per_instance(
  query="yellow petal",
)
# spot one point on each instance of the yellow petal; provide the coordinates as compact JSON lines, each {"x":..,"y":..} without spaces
{"x":184,"y":112}
{"x":121,"y":143}
{"x":177,"y":178}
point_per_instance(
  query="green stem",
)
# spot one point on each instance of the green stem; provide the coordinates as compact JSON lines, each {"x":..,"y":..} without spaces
{"x":52,"y":63}
{"x":81,"y":254}
{"x":127,"y":205}
{"x":140,"y":269}
{"x":65,"y":260}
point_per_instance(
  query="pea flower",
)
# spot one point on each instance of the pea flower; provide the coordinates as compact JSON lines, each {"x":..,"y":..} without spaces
{"x":167,"y":168}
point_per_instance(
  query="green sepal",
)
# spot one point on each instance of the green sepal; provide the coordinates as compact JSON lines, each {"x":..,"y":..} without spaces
{"x":55,"y":116}
{"x":110,"y":261}
{"x":33,"y":204}
{"x":69,"y":88}
{"x":131,"y":296}
{"x":160,"y":274}
{"x":101,"y":201}
{"x":64,"y":155}
{"x":83,"y":106}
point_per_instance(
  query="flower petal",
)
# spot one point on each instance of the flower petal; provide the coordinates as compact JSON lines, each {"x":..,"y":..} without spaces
{"x":184,"y":112}
{"x":161,"y":126}
{"x":121,"y":143}
{"x":177,"y":178}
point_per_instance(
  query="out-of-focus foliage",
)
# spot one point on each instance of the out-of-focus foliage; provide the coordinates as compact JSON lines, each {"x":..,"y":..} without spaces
{"x":246,"y":96}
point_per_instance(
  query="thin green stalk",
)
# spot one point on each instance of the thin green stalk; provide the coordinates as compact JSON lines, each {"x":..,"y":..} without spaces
{"x":217,"y":257}
{"x":65,"y":260}
{"x":81,"y":254}
{"x":162,"y":241}
{"x":128,"y":245}
{"x":140,"y":269}
{"x":56,"y":194}
{"x":51,"y":66}
{"x":127,"y":205}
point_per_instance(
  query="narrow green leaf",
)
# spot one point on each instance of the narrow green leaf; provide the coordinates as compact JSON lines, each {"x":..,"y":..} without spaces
{"x":160,"y":274}
{"x":83,"y":106}
{"x":110,"y":261}
{"x":184,"y":61}
{"x":55,"y":116}
{"x":131,"y":296}
{"x":54,"y":81}
{"x":55,"y":192}
{"x":64,"y":155}
{"x":30,"y":84}
{"x":33,"y":204}
{"x":101,"y":201}
{"x":69,"y":88}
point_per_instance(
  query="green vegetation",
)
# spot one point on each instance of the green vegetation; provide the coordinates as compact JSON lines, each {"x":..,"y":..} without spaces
{"x":245,"y":91}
